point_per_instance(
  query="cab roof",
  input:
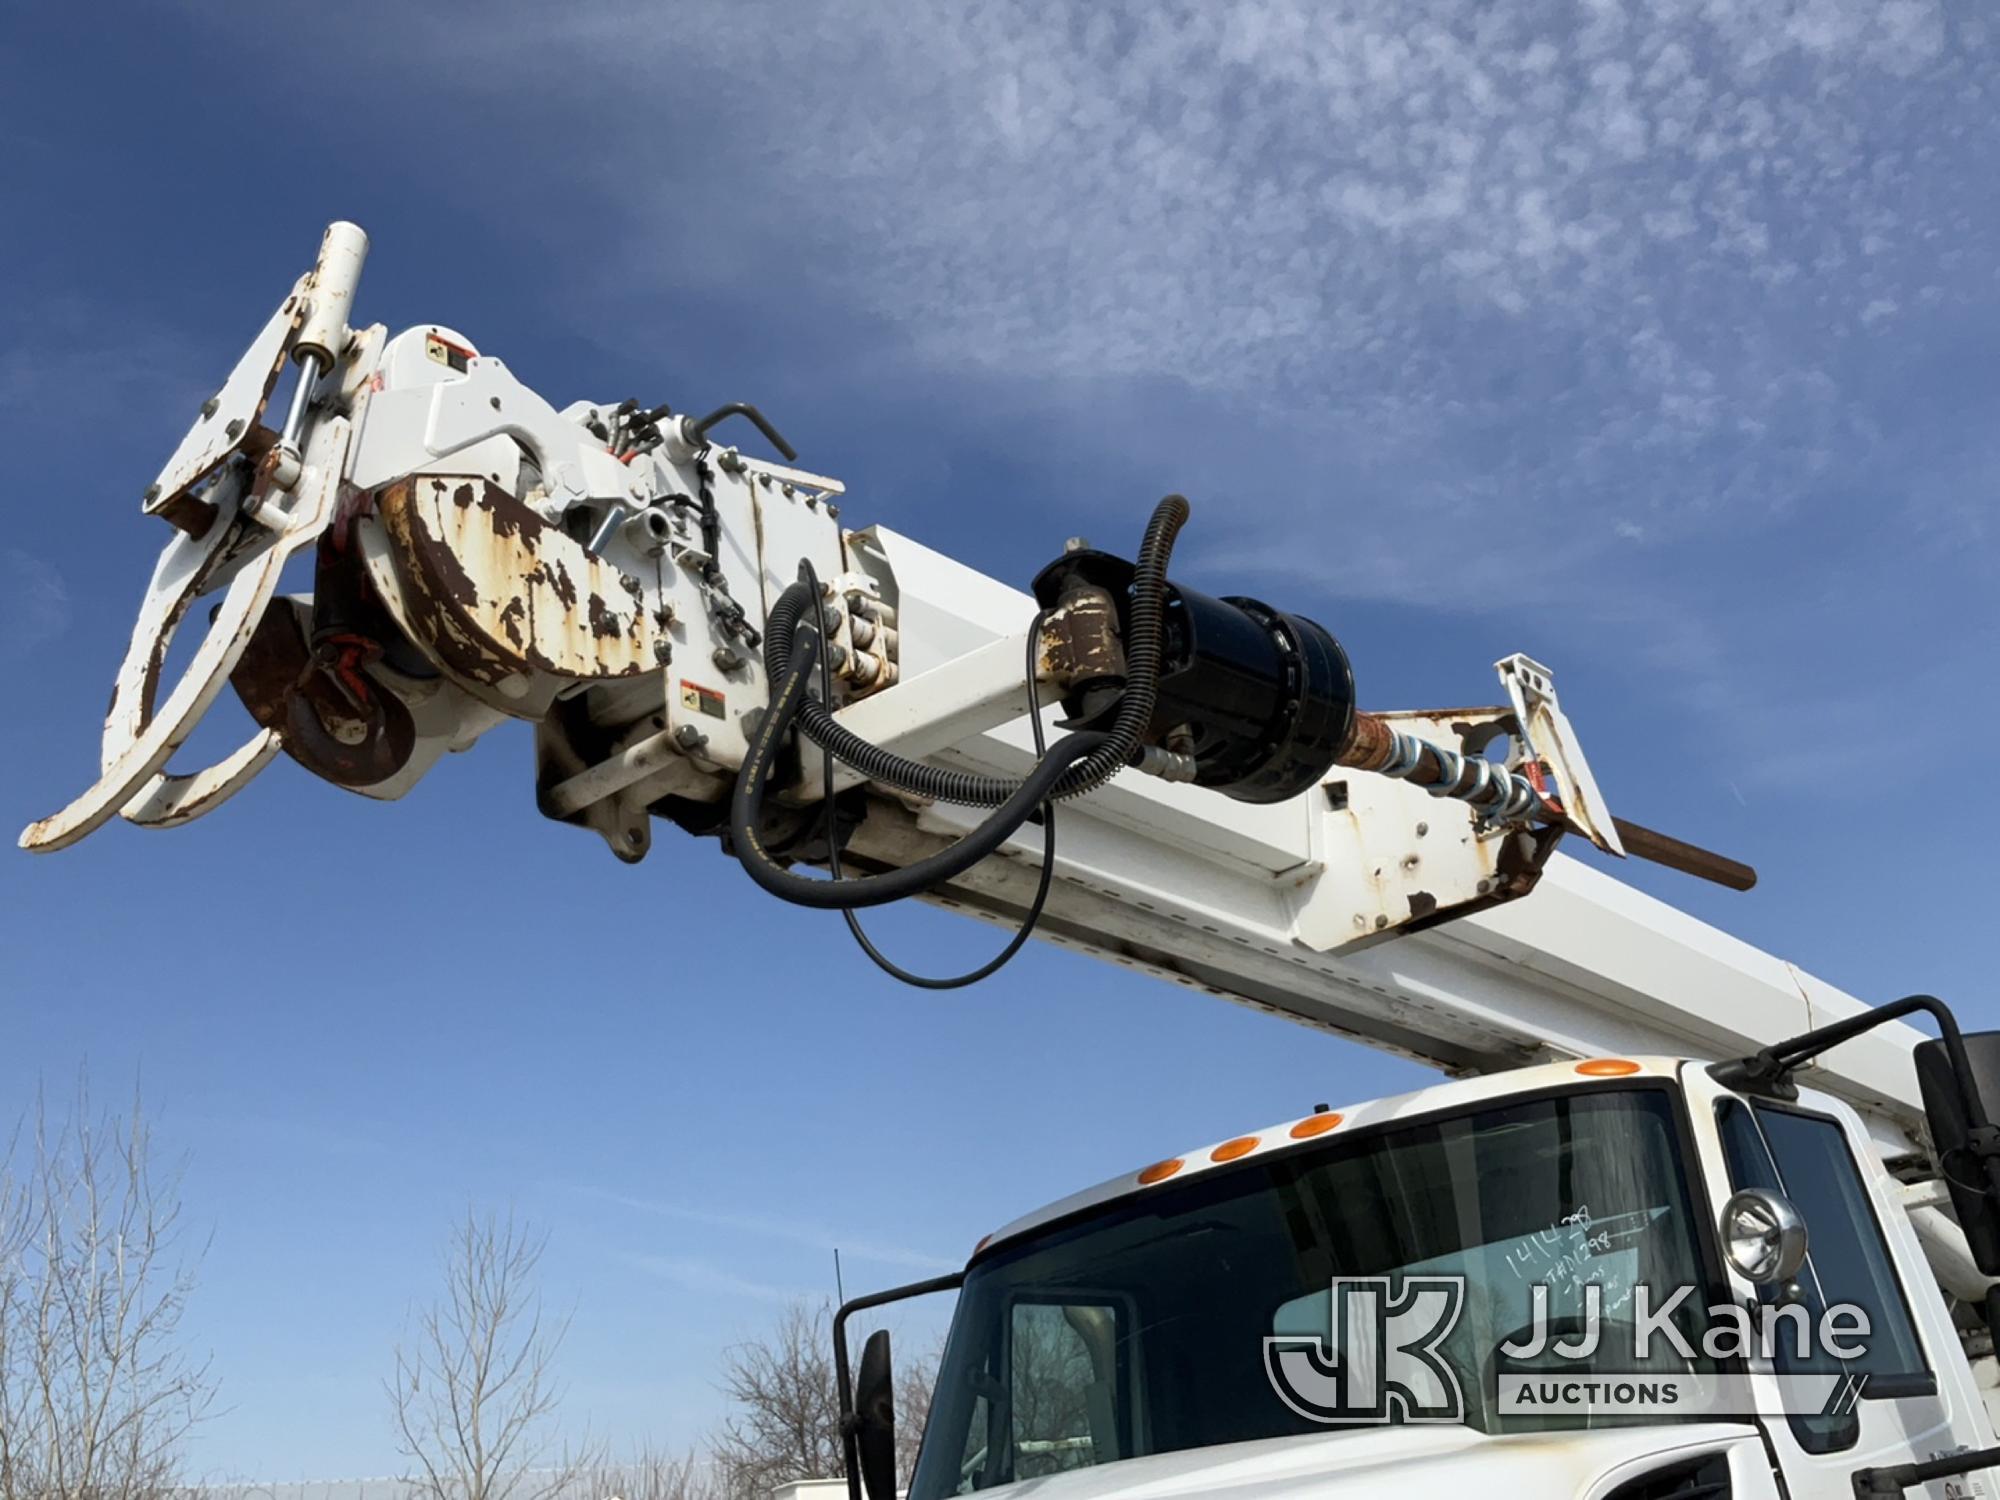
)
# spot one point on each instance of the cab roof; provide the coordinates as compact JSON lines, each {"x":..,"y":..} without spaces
{"x":1296,"y":1134}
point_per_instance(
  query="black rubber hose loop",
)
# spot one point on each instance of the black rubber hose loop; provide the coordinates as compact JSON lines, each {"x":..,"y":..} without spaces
{"x":1143,"y":637}
{"x":1073,"y":765}
{"x":747,"y":801}
{"x":762,"y":422}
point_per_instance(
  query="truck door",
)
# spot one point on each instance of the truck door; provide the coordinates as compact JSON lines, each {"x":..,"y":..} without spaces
{"x":1916,"y":1400}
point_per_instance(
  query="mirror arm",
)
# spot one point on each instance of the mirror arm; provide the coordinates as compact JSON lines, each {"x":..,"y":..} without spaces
{"x":850,"y":1457}
{"x":1871,"y":1484}
{"x":1768,"y":1074}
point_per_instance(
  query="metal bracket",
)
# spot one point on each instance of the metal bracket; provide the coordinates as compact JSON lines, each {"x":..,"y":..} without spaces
{"x":1548,"y":738}
{"x":230,"y":422}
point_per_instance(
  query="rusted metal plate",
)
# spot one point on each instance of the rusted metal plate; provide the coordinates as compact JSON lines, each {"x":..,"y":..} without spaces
{"x":496,"y":593}
{"x":1389,"y":857}
{"x":228,"y":421}
{"x":1080,"y":642}
{"x":356,"y":737}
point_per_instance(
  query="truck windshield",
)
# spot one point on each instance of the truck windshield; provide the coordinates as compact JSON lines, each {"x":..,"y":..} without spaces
{"x":1140,"y":1328}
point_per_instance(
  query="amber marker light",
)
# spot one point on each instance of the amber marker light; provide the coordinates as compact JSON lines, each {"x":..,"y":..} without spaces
{"x":1160,"y":1171}
{"x":1607,"y":1067}
{"x":1313,"y":1125}
{"x":1243,"y":1145}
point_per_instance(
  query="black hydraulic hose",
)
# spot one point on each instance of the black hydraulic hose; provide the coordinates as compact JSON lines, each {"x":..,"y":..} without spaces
{"x":1143,"y":637}
{"x":1043,"y":882}
{"x":747,"y":801}
{"x":763,"y":424}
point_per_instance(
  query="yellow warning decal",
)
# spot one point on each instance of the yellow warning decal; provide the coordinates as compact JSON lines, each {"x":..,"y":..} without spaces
{"x":701,"y":700}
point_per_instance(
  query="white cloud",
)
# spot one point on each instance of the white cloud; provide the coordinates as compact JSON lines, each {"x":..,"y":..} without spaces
{"x":1125,"y":190}
{"x":1452,"y":304}
{"x":789,"y":1230}
{"x":34,"y":603}
{"x":1638,"y":235}
{"x":65,"y":360}
{"x":705,"y":1277}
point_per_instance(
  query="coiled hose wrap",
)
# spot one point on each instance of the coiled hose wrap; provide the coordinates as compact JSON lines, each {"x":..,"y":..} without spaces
{"x":747,"y":801}
{"x":1072,"y":766}
{"x":1143,"y":635}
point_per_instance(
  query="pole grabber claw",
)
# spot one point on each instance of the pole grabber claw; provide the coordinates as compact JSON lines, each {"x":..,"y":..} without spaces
{"x":242,"y":499}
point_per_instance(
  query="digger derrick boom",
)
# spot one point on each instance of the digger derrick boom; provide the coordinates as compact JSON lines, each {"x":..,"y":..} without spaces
{"x":609,"y":573}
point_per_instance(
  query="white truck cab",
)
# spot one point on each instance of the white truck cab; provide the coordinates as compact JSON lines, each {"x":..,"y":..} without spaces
{"x":1183,"y":1329}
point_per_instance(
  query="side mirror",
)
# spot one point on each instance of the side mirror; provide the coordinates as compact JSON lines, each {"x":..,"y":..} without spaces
{"x":1763,"y":1236}
{"x":875,"y":1418}
{"x":1958,"y":1156}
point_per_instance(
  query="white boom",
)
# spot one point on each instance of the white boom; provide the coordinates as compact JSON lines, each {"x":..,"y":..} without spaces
{"x":1264,"y":904}
{"x":609,"y":573}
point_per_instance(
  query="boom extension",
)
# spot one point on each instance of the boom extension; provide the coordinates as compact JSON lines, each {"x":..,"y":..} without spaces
{"x":667,"y":610}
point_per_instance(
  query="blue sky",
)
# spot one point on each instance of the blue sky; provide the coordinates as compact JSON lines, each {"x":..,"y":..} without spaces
{"x":1653,"y":340}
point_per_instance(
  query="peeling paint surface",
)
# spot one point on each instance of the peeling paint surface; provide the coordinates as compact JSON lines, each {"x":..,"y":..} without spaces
{"x":497,"y":592}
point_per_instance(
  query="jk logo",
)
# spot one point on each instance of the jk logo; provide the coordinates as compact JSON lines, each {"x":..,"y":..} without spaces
{"x":1380,"y":1360}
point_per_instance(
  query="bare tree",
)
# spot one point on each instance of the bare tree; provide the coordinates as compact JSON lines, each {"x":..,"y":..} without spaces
{"x":788,"y":1421}
{"x":656,"y":1475}
{"x":97,"y":1389}
{"x":1050,"y":1383}
{"x":474,"y":1393}
{"x":915,"y":1379}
